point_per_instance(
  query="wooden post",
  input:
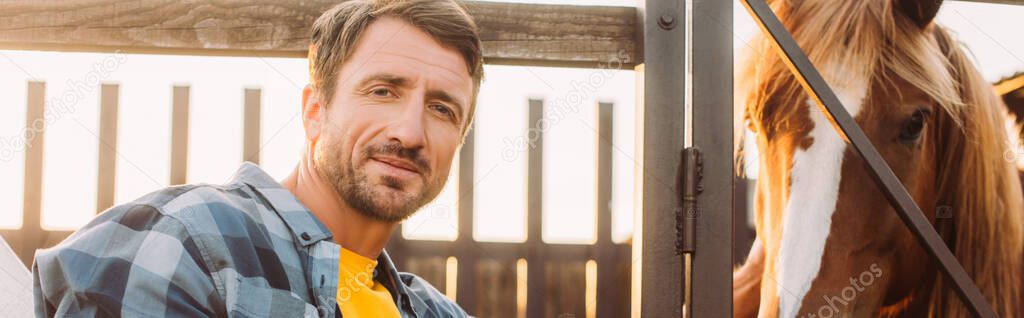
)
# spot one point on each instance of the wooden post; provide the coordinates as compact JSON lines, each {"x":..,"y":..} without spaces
{"x":106,"y":177}
{"x":610,"y":299}
{"x":179,"y":135}
{"x":466,"y":252}
{"x":535,"y":298}
{"x":35,"y":127}
{"x":251,"y":126}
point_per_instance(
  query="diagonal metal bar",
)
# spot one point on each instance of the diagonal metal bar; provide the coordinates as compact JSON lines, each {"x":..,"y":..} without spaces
{"x":884,"y":177}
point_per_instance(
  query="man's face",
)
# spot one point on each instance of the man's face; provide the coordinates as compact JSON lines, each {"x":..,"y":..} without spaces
{"x":387,"y":138}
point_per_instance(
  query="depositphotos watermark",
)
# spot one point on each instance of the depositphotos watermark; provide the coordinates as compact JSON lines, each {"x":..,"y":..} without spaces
{"x":848,"y":294}
{"x":62,"y":105}
{"x":1013,"y":154}
{"x":568,"y":104}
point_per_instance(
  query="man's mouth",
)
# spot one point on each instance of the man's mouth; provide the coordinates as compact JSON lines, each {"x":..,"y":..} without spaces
{"x":397,"y":166}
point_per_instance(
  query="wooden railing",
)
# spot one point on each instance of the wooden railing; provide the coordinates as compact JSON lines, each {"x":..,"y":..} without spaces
{"x":517,"y":34}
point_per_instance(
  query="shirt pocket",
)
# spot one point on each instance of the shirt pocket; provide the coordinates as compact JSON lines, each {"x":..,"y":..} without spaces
{"x":252,"y":299}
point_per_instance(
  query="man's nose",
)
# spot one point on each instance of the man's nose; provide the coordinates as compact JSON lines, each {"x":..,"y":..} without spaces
{"x":407,"y":128}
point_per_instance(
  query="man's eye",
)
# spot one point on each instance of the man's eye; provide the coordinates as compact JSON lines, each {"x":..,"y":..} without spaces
{"x":443,"y":110}
{"x":381,"y":92}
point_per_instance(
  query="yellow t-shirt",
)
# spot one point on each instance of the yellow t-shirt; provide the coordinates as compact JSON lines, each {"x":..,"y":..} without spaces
{"x":358,"y":294}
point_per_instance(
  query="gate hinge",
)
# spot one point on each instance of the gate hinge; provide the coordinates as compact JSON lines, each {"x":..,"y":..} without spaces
{"x":690,"y":185}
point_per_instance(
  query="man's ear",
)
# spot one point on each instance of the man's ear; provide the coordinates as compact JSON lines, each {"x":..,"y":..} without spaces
{"x":312,"y":113}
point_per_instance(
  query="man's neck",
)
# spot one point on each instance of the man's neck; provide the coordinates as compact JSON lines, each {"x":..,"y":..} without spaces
{"x":351,"y":229}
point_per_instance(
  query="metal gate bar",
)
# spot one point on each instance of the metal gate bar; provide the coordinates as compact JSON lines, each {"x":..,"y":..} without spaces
{"x":883,"y":176}
{"x":711,"y":79}
{"x":660,"y":136}
{"x":686,"y":101}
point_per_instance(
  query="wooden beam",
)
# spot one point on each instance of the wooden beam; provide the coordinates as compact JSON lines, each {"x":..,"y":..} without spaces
{"x":1010,"y":85}
{"x":179,"y":135}
{"x":559,"y":35}
{"x":106,"y":176}
{"x":512,"y":33}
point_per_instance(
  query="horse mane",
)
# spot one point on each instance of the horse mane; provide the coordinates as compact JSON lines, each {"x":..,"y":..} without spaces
{"x":984,"y":192}
{"x":869,"y":41}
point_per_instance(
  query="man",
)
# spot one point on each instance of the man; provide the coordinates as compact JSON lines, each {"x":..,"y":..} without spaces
{"x":392,"y":93}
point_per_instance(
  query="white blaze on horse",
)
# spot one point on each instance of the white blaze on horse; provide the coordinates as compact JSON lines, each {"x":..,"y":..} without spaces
{"x":829,"y":244}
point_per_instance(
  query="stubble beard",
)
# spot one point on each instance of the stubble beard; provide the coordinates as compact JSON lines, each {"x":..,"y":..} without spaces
{"x":393,"y":204}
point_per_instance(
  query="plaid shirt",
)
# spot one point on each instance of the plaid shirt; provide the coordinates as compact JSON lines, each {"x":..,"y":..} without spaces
{"x":244,"y":249}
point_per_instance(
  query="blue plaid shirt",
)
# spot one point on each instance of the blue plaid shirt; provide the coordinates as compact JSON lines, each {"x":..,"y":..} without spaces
{"x":244,"y":249}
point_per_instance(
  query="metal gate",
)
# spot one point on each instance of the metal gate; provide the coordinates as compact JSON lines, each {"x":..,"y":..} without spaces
{"x":688,"y":78}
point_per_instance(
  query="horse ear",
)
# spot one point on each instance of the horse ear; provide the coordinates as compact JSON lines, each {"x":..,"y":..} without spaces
{"x":922,"y":12}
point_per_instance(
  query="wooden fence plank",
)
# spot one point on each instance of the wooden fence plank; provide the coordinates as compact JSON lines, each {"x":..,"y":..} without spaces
{"x":536,"y":298}
{"x":179,"y":134}
{"x":466,"y":252}
{"x":32,"y":235}
{"x":612,"y":298}
{"x":495,"y":284}
{"x":106,"y":176}
{"x":512,"y":33}
{"x":429,"y":268}
{"x":251,"y":126}
{"x":565,"y":285}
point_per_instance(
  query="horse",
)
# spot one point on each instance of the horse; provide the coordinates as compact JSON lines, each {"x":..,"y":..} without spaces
{"x":828,"y":243}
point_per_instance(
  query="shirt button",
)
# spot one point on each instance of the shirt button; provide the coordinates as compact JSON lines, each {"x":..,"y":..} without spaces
{"x":304,"y":236}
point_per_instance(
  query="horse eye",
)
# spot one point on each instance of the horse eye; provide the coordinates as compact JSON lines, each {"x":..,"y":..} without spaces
{"x":913,"y":126}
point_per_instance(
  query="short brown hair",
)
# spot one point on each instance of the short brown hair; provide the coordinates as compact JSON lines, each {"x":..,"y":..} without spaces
{"x":335,"y":33}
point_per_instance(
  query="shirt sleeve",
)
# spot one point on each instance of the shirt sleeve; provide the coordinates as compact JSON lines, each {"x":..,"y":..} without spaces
{"x":130,"y":261}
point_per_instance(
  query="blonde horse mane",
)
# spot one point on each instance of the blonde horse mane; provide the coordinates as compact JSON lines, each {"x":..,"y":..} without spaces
{"x":983,"y":191}
{"x":868,"y":41}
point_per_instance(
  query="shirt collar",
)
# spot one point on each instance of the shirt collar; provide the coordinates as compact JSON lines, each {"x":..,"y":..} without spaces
{"x":392,"y":280}
{"x":305,"y":227}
